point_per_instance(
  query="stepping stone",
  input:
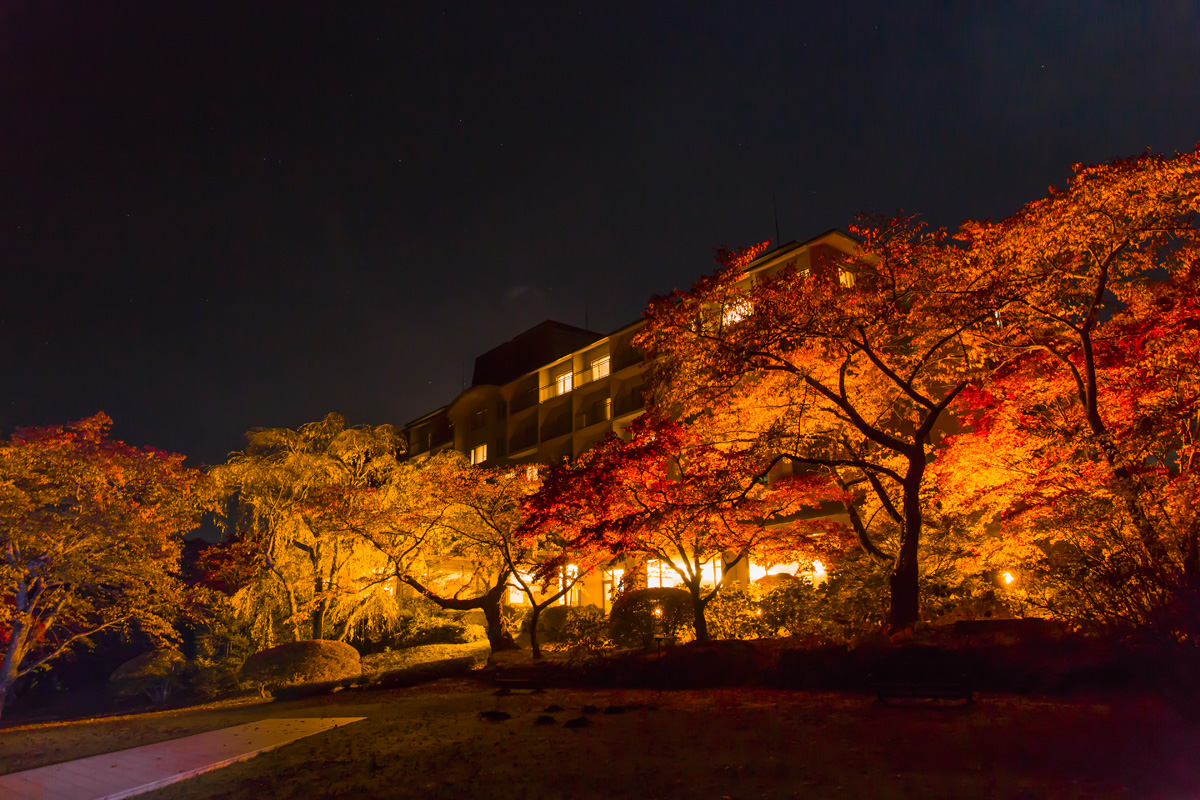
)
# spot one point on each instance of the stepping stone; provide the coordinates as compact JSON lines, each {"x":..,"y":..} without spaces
{"x":494,"y":716}
{"x":614,"y":710}
{"x":552,"y":708}
{"x":578,"y":722}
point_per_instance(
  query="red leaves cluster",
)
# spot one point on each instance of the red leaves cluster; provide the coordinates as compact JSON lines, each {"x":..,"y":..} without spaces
{"x":90,"y":533}
{"x":670,"y":494}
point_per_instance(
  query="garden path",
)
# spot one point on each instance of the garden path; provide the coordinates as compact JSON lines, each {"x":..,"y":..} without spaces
{"x":126,"y":773}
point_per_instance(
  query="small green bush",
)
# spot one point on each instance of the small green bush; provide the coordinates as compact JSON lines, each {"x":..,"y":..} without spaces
{"x":552,"y":620}
{"x":738,"y":613}
{"x":441,"y":631}
{"x":222,"y":644}
{"x":313,"y":661}
{"x":155,"y":674}
{"x":633,"y":622}
{"x":421,"y":623}
{"x":584,"y":634}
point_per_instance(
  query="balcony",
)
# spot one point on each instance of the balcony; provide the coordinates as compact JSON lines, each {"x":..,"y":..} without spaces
{"x":631,"y":400}
{"x":625,"y":357}
{"x":523,"y":400}
{"x":569,"y":381}
{"x":523,"y":440}
{"x":600,"y":411}
{"x":556,"y":426}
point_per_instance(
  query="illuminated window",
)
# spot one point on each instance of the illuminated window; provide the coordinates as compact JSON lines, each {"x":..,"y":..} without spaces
{"x":531,"y":472}
{"x":567,"y":576}
{"x":564,"y":383}
{"x":661,"y":575}
{"x":612,"y":584}
{"x":479,"y":454}
{"x":736,"y":311}
{"x":516,"y":595}
{"x":600,"y":368}
{"x":845,"y":277}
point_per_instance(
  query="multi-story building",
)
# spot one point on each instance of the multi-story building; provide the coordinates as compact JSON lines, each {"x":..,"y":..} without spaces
{"x":555,"y":390}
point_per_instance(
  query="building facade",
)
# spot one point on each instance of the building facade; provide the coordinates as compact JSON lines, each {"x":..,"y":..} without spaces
{"x":553,"y":391}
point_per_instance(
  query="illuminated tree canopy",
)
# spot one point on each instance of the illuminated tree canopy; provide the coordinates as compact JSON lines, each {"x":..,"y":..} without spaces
{"x":90,"y":535}
{"x":303,"y":503}
{"x":850,"y":379}
{"x":667,"y":494}
{"x":1082,"y":440}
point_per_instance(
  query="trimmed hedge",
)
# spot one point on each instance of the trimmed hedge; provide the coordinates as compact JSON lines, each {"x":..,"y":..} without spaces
{"x":313,"y":661}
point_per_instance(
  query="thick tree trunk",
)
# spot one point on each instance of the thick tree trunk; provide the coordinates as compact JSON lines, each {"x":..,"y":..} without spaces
{"x":499,"y":637}
{"x":535,"y":646}
{"x":904,"y":578}
{"x":12,"y":661}
{"x":318,"y":620}
{"x":699,"y":623}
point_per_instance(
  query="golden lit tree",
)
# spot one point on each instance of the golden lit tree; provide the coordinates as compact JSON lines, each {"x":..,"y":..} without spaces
{"x":1084,"y":439}
{"x":449,"y":536}
{"x":479,"y":515}
{"x":302,"y":503}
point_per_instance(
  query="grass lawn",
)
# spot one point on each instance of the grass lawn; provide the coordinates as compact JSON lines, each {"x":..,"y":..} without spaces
{"x":429,"y":741}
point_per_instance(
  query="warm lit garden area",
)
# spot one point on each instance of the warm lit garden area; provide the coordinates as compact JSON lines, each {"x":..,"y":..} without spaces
{"x":430,"y":741}
{"x":944,"y":468}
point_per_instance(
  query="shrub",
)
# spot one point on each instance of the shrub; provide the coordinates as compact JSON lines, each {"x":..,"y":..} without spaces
{"x":222,"y":644}
{"x":441,"y":631}
{"x":584,"y":634}
{"x":633,"y":622}
{"x":155,"y":674}
{"x":313,"y":661}
{"x":738,"y":613}
{"x":474,"y":617}
{"x":554,"y":619}
{"x":421,"y":622}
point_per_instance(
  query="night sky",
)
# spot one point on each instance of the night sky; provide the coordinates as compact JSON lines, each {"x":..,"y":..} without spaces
{"x":220,"y":216}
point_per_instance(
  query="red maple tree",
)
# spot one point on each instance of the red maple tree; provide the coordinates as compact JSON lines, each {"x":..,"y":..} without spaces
{"x":90,"y":534}
{"x":670,"y":494}
{"x":846,"y":371}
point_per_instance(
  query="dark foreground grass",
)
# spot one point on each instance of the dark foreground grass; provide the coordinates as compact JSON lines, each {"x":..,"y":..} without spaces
{"x":430,"y":742}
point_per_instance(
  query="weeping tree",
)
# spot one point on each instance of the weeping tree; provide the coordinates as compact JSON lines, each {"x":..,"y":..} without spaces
{"x":302,"y":504}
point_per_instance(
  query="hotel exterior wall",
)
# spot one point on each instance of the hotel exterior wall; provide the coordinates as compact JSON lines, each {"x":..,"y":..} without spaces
{"x":542,"y":416}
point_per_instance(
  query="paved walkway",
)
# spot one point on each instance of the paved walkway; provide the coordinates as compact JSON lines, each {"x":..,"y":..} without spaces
{"x":129,"y":772}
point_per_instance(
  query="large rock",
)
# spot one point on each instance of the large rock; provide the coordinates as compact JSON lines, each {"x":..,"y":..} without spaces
{"x":314,"y":661}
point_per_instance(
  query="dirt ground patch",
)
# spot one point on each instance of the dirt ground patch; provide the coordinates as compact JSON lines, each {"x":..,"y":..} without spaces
{"x":430,"y":742}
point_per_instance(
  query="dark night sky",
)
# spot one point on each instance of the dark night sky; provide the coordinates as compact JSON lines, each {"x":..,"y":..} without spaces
{"x":249,"y":215}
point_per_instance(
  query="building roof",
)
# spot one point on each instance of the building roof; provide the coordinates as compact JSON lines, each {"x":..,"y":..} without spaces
{"x":525,"y":352}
